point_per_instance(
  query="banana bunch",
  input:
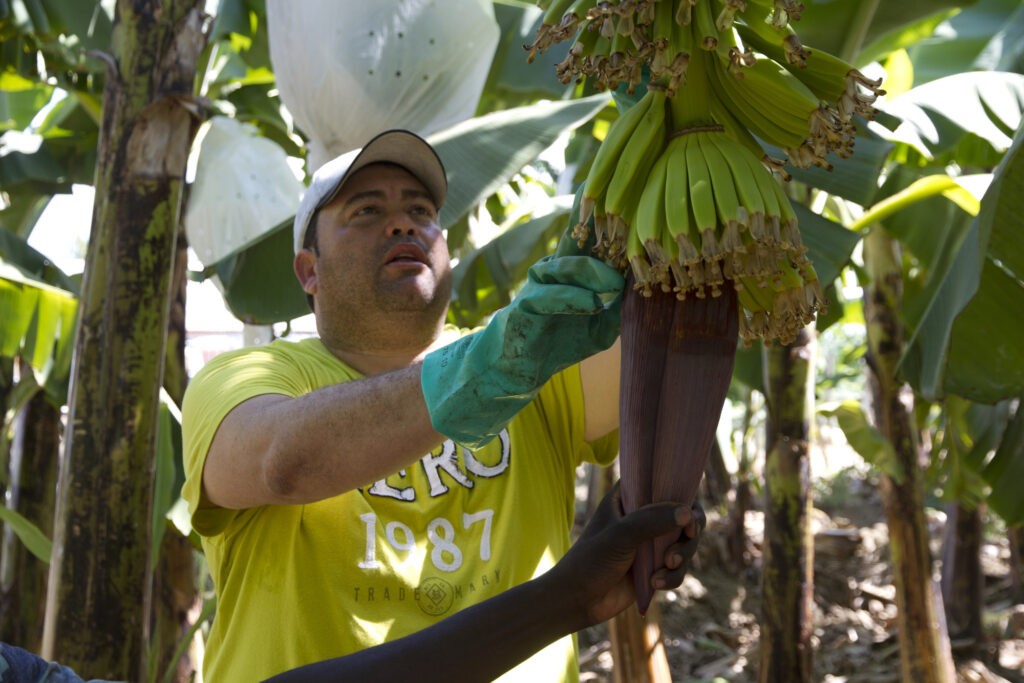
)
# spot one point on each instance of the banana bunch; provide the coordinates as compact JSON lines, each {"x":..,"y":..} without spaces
{"x":682,"y":197}
{"x":681,"y":191}
{"x":709,"y":216}
{"x":790,"y":96}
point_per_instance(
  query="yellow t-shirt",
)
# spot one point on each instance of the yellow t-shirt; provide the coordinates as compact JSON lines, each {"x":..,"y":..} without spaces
{"x":302,"y":583}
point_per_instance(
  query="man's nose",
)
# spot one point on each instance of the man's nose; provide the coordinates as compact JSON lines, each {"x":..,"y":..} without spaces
{"x":401,"y":223}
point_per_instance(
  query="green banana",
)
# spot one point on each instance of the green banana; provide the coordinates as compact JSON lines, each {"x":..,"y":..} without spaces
{"x":684,"y":12}
{"x":829,"y":77}
{"x":649,"y":229}
{"x":702,"y":200}
{"x":767,"y":188}
{"x":751,"y":112}
{"x":744,"y":180}
{"x":681,"y":193}
{"x":732,"y":217}
{"x":781,"y":44}
{"x":782,"y":11}
{"x":726,"y":198}
{"x":706,"y":35}
{"x":635,"y":161}
{"x":727,"y":14}
{"x":661,"y":42}
{"x":774,"y":87}
{"x":686,"y":268}
{"x":607,"y":157}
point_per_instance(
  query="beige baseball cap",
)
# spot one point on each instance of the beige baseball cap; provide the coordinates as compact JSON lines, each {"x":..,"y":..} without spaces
{"x":401,"y":147}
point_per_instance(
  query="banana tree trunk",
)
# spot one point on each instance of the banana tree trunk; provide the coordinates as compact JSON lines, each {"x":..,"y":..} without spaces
{"x":925,"y":655}
{"x":736,"y":529}
{"x":175,"y":592}
{"x":962,"y":578}
{"x":99,"y":604}
{"x":1015,"y":535}
{"x":33,"y":479}
{"x":788,"y":582}
{"x":717,"y":481}
{"x":6,"y":535}
{"x":637,"y":647}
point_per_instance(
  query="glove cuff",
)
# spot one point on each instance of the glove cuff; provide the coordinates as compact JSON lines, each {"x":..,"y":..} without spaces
{"x":465,"y":404}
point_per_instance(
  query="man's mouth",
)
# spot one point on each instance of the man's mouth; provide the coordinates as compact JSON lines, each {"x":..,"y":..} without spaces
{"x":405,"y":253}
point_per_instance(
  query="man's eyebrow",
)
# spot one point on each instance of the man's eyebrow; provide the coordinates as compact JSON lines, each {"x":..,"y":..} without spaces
{"x":365,"y":194}
{"x":417,"y":194}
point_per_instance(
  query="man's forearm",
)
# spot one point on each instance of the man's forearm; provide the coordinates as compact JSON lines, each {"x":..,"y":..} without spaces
{"x":281,"y":450}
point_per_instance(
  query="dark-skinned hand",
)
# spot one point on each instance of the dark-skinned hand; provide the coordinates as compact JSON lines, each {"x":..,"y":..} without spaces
{"x":596,"y":570}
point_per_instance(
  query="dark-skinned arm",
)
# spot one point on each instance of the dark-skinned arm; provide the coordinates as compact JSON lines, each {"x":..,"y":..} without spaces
{"x":589,"y":585}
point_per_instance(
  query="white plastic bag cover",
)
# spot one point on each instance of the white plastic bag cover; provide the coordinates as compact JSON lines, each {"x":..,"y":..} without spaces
{"x":243,"y":187}
{"x":349,"y":69}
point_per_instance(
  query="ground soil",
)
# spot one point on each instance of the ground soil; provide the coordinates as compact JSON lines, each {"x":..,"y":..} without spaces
{"x":710,"y":624}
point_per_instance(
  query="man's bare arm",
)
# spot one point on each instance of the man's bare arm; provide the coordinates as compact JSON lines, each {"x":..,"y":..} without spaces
{"x":599,"y":376}
{"x":274,"y":449}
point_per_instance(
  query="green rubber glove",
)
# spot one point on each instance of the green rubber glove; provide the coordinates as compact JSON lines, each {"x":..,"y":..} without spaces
{"x":568,"y":310}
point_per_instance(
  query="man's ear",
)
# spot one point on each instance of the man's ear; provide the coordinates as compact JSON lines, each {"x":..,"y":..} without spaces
{"x":304,"y":265}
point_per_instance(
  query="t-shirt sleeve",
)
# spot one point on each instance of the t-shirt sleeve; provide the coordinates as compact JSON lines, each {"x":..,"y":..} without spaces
{"x":219,"y":387}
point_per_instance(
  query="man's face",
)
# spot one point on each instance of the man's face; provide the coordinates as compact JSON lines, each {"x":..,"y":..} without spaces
{"x":380,"y":246}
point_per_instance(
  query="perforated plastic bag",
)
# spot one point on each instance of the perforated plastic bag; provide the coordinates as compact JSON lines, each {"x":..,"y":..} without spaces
{"x":348,"y":69}
{"x":243,"y":187}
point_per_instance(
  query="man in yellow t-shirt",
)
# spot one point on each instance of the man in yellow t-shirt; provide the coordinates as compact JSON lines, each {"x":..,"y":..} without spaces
{"x":360,"y":486}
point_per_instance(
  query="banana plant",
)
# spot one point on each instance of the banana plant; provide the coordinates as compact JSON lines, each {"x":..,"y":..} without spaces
{"x":242,"y":84}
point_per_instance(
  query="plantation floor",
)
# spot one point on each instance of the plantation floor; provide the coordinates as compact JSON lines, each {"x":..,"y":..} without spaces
{"x":710,"y":624}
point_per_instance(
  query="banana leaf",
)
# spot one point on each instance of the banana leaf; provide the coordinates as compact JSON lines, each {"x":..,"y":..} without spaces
{"x":829,"y":25}
{"x":484,"y":278}
{"x":968,"y":119}
{"x":869,"y":443}
{"x":512,"y":81}
{"x":29,"y":534}
{"x":854,"y":178}
{"x":986,"y":36}
{"x":1005,"y":471}
{"x":20,"y":101}
{"x":38,"y":305}
{"x":90,"y":22}
{"x":169,"y":475}
{"x":967,"y":342}
{"x":39,"y":324}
